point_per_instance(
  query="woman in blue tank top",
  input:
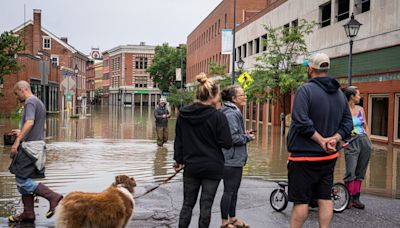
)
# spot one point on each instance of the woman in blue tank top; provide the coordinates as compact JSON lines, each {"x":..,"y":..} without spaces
{"x":358,"y":153}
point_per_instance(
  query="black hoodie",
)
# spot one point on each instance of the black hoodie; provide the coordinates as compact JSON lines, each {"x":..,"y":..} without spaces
{"x":201,"y":133}
{"x":319,"y":105}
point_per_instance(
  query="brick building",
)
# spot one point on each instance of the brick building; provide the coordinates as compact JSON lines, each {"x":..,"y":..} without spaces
{"x":204,"y":43}
{"x":46,"y":60}
{"x":124,"y":74}
{"x":376,"y":51}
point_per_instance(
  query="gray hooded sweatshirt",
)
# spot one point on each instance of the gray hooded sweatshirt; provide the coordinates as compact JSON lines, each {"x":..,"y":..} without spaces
{"x":236,"y":156}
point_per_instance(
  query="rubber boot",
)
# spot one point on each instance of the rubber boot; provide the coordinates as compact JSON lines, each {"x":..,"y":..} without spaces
{"x":356,"y":197}
{"x":28,"y":216}
{"x":357,"y":203}
{"x":53,"y":198}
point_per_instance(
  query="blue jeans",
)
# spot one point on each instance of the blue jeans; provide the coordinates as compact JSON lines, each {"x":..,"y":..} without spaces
{"x":26,"y":186}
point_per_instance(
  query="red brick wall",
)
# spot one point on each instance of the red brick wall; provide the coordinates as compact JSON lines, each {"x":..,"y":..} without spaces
{"x":204,"y":48}
{"x":9,"y":103}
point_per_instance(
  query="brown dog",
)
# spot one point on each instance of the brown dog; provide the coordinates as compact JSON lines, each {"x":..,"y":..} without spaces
{"x":111,"y":208}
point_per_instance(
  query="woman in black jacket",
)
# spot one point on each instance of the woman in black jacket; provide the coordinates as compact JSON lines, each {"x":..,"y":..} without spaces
{"x":201,"y":133}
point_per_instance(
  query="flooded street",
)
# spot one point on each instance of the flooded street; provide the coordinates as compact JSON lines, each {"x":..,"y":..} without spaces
{"x":86,"y":154}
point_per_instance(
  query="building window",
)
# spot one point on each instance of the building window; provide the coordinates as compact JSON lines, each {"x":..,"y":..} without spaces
{"x":325,"y":12}
{"x":141,"y":81}
{"x":239,"y":53}
{"x":55,"y":60}
{"x":141,"y":63}
{"x":343,"y":9}
{"x":361,"y":6}
{"x":264,"y":42}
{"x":257,"y":45}
{"x":226,"y":20}
{"x":250,"y":48}
{"x":365,"y":5}
{"x":46,"y":43}
{"x":397,"y":118}
{"x":379,"y":115}
{"x":244,"y":50}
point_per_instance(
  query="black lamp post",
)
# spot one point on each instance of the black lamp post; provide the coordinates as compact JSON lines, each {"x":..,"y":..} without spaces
{"x":233,"y":46}
{"x":76,"y":72}
{"x":351,"y":28}
{"x":240,"y":64}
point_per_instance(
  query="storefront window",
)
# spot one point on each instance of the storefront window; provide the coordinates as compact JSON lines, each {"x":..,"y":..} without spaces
{"x":379,"y":116}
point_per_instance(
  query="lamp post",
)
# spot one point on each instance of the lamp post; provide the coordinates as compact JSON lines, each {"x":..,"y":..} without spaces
{"x":76,"y":71}
{"x":240,"y":64}
{"x":351,"y":28}
{"x":233,"y":46}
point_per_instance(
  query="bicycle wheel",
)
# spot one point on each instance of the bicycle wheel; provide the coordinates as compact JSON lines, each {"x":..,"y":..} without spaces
{"x":278,"y":199}
{"x":340,"y":197}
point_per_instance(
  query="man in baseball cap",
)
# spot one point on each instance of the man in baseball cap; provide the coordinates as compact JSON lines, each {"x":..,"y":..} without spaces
{"x":161,"y":114}
{"x":320,"y":118}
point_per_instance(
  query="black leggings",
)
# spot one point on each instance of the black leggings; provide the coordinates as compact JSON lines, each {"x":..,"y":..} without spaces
{"x":191,"y":187}
{"x":232,"y":179}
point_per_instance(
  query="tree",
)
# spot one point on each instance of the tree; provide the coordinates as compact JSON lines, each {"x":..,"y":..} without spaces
{"x":164,"y":64}
{"x":278,"y":71}
{"x":10,"y":45}
{"x":177,"y":96}
{"x":219,"y":70}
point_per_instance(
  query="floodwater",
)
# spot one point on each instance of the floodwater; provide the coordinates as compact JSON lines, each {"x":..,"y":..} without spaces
{"x":86,"y":154}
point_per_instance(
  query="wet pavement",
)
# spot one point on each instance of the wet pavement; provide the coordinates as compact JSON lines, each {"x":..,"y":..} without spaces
{"x":85,"y":154}
{"x":161,"y":209}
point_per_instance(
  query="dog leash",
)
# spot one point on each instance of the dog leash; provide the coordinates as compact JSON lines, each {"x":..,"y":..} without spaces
{"x":162,"y":183}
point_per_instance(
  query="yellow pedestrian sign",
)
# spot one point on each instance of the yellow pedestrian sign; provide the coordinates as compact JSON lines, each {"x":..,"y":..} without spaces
{"x":245,"y":80}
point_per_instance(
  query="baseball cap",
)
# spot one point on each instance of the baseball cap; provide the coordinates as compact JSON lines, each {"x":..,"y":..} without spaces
{"x":163,"y":99}
{"x":317,"y":61}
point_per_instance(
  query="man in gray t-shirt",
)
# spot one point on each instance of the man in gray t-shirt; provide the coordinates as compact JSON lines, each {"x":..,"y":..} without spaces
{"x":23,"y":164}
{"x":34,"y":110}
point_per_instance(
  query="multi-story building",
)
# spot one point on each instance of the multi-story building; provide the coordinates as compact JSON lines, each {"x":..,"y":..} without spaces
{"x":125,"y":68}
{"x":376,"y":50}
{"x":47,"y":61}
{"x":204,"y":43}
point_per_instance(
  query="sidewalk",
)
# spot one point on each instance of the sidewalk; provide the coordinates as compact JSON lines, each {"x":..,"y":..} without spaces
{"x":161,"y":209}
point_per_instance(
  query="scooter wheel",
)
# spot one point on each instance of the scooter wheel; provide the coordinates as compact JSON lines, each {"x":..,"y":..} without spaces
{"x":278,"y":199}
{"x":340,"y":197}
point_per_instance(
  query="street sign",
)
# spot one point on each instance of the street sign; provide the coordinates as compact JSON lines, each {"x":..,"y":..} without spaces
{"x":245,"y":80}
{"x":68,"y":83}
{"x":141,"y":92}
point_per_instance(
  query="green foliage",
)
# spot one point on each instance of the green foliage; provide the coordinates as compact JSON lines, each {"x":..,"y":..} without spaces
{"x":10,"y":45}
{"x":219,"y":70}
{"x":164,"y":64}
{"x":176,"y":96}
{"x":277,"y":71}
{"x":17,"y":113}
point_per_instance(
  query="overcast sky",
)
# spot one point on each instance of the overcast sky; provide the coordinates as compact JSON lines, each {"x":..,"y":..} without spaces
{"x":108,"y":23}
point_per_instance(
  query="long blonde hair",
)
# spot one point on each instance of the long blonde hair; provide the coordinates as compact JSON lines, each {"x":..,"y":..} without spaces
{"x":206,"y":88}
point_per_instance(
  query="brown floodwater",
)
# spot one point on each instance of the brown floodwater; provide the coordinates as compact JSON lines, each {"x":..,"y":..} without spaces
{"x":86,"y":154}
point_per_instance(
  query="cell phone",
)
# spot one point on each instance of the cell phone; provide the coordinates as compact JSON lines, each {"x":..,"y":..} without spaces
{"x":253,"y":131}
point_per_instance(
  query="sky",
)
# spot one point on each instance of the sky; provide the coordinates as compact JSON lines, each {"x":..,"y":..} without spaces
{"x":109,"y":23}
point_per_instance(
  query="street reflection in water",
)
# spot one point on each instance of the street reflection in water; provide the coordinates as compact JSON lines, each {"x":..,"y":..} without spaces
{"x":85,"y":154}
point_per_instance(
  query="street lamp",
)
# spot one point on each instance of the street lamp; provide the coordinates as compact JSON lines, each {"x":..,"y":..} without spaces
{"x":240,"y":64}
{"x":76,"y":72}
{"x":233,"y":46}
{"x":351,"y":28}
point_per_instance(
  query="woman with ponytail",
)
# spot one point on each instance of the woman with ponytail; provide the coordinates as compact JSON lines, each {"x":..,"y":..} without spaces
{"x":201,"y":133}
{"x":357,"y":154}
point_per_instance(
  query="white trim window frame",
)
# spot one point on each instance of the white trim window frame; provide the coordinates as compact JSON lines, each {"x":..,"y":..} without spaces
{"x":397,"y":118}
{"x":370,"y":97}
{"x":46,"y":42}
{"x":57,"y":58}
